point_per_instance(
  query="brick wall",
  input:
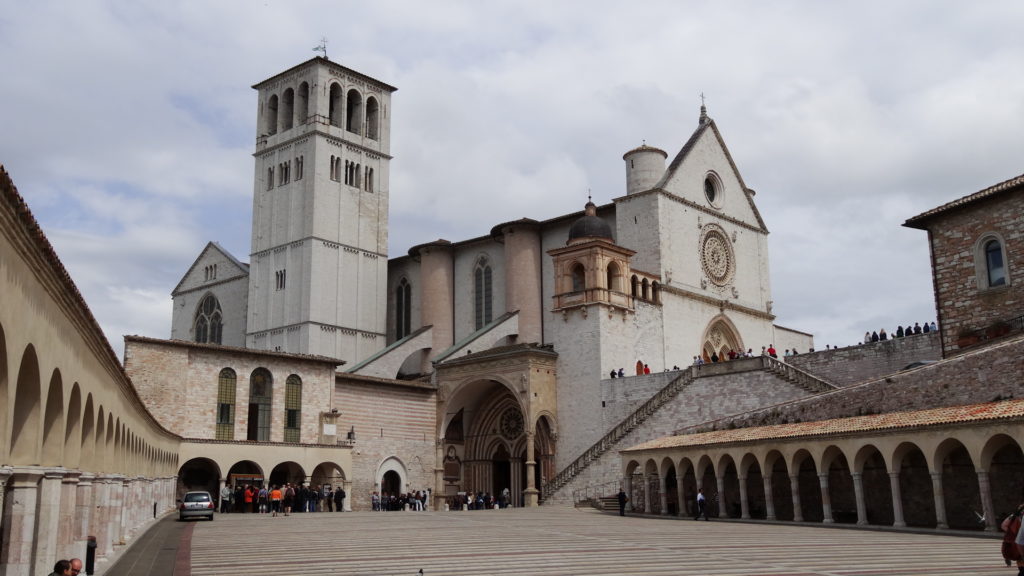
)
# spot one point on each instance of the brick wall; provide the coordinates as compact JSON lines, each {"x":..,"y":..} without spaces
{"x":845,"y":366}
{"x":390,"y":421}
{"x":954,"y":238}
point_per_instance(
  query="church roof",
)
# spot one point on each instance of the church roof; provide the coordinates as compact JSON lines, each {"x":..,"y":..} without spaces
{"x":235,"y":349}
{"x":243,"y":268}
{"x":590,"y":225}
{"x":644,"y":148}
{"x":327,"y":62}
{"x":1005,"y":186}
{"x":707,"y":123}
{"x":989,"y":411}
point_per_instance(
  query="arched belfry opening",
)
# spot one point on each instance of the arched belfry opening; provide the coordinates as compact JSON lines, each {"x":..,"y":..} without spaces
{"x":491,"y":439}
{"x":719,"y":338}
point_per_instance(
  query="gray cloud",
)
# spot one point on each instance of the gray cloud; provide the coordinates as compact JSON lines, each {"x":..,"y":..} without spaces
{"x":130,"y":127}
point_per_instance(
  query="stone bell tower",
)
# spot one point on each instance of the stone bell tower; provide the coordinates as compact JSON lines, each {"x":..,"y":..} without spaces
{"x":318,"y":268}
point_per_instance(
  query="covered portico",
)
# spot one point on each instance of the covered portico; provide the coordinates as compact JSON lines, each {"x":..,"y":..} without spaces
{"x":955,"y":467}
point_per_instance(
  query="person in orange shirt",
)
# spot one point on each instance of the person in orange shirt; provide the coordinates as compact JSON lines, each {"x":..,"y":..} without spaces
{"x":250,"y":493}
{"x":275,"y":500}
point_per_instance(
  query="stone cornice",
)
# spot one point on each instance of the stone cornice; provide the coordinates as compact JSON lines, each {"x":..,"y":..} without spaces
{"x":315,"y":131}
{"x":720,"y":302}
{"x":318,"y":239}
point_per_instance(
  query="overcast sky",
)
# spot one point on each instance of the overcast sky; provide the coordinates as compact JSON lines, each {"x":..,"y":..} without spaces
{"x":129,"y":126}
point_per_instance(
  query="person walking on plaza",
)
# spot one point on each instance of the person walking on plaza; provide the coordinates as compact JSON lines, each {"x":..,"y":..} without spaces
{"x":622,"y":502}
{"x":701,"y":512}
{"x":225,"y":499}
{"x":1013,"y":539}
{"x":339,"y":499}
{"x":275,"y":500}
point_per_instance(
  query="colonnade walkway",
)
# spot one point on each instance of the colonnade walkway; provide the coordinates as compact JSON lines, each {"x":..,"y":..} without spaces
{"x":564,"y":541}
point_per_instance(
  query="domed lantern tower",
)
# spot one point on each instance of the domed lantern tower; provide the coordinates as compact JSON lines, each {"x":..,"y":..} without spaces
{"x":591,"y":268}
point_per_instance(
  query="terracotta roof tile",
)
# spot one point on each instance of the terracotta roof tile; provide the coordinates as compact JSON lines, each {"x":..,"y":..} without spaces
{"x":1005,"y":409}
{"x":919,"y":220}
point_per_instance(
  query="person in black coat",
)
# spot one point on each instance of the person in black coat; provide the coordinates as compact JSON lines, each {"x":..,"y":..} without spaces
{"x":622,"y":502}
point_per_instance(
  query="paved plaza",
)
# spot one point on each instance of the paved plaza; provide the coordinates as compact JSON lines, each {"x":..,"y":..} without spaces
{"x":562,"y":541}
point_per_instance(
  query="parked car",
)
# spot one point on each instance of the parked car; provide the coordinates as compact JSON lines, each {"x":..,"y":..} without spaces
{"x":196,"y":505}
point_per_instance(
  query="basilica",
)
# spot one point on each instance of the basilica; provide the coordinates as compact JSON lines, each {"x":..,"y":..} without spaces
{"x":557,"y":360}
{"x":512,"y":332}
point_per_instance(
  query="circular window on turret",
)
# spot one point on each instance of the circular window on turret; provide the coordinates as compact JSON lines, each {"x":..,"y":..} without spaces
{"x":713,"y":190}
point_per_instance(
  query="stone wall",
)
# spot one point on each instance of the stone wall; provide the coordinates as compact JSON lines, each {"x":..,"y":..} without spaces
{"x":394,"y":425}
{"x":853,"y":364}
{"x":982,"y":375}
{"x":709,"y":397}
{"x":964,"y":300}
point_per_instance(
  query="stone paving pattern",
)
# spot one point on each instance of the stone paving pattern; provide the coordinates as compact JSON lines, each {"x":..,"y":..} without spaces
{"x":565,"y":541}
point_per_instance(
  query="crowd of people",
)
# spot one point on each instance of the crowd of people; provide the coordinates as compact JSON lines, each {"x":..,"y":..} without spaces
{"x":471,"y":500}
{"x":901,"y":332}
{"x":281,"y":499}
{"x":413,"y":501}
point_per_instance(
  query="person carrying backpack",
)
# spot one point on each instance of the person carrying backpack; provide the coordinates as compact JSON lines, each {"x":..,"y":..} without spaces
{"x":1013,"y":539}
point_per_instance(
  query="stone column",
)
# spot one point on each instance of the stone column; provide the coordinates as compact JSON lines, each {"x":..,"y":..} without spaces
{"x":47,"y":546}
{"x":5,"y":476}
{"x":531,"y":492}
{"x":439,"y":473}
{"x":744,"y":503}
{"x":517,"y":483}
{"x":940,"y":501}
{"x":680,"y":497}
{"x":647,"y":494}
{"x":897,"y":500}
{"x":794,"y":487}
{"x":19,"y":521}
{"x":346,"y":504}
{"x":720,"y":481}
{"x":769,"y":500}
{"x":83,"y":511}
{"x":663,"y":487}
{"x":66,"y":525}
{"x":986,"y":501}
{"x":858,"y":493}
{"x":98,"y":515}
{"x":826,"y":500}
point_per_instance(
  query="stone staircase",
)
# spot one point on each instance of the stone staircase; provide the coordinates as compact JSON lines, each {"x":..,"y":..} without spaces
{"x":610,"y":440}
{"x":796,"y":376}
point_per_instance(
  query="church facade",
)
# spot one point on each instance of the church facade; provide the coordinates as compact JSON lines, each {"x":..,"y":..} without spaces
{"x":513,"y":330}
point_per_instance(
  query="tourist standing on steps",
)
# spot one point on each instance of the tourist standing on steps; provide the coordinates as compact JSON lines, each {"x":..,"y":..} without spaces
{"x":622,"y":502}
{"x":701,"y":512}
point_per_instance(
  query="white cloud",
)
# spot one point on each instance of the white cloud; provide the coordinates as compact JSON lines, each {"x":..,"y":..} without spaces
{"x":129,"y":127}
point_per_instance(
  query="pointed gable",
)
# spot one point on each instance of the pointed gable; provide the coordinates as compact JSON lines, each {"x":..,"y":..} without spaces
{"x":704,"y":154}
{"x":227,"y":267}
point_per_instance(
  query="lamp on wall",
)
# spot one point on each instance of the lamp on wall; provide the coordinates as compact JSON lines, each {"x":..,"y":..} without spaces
{"x":352,"y":434}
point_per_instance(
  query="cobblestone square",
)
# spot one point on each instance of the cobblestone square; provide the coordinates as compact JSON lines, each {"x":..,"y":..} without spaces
{"x":564,"y":541}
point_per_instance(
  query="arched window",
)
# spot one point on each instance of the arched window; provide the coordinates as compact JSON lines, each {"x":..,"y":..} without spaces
{"x":287,"y":109}
{"x":270,"y":178}
{"x":260,"y":395}
{"x":613,"y":280}
{"x":226,"y":385}
{"x":292,"y":408}
{"x":634,"y":286}
{"x":354,"y":112}
{"x":644,"y":289}
{"x":403,"y":309}
{"x":482,"y":293}
{"x":303,"y":105}
{"x":334,"y":109}
{"x":579,"y":278}
{"x":655,"y":292}
{"x":995,"y":267}
{"x":208,"y":323}
{"x":372,"y":113}
{"x":272,"y":115}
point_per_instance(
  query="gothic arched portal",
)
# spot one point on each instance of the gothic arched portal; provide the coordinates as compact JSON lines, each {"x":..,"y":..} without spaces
{"x":720,"y":337}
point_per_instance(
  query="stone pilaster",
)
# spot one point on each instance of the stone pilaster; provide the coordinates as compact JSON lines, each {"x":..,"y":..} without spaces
{"x":47,"y":545}
{"x":663,"y":489}
{"x":680,"y":497}
{"x":531,"y":492}
{"x":720,"y":482}
{"x":67,"y":527}
{"x":985,"y":490}
{"x":19,"y":521}
{"x":83,"y":510}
